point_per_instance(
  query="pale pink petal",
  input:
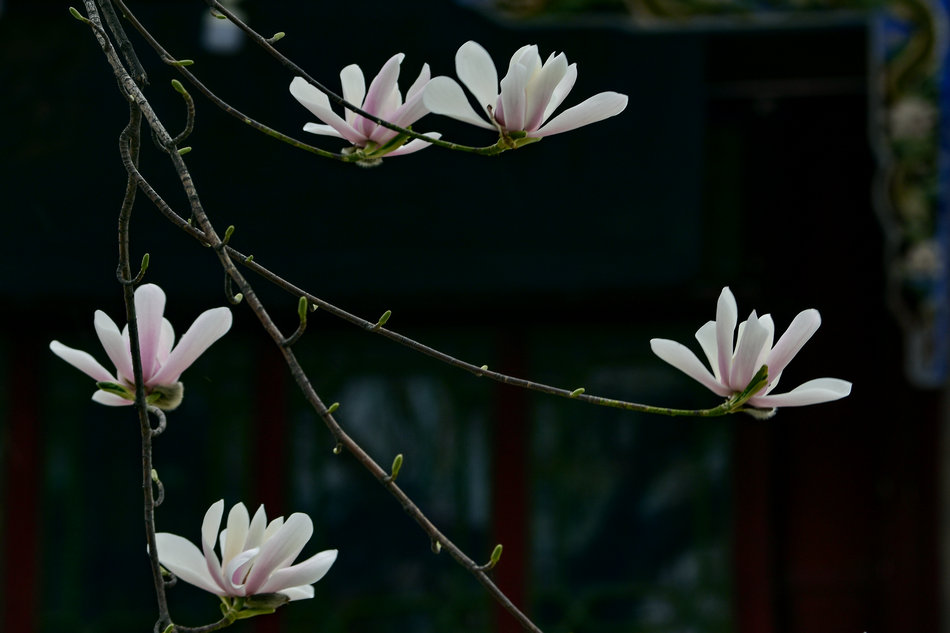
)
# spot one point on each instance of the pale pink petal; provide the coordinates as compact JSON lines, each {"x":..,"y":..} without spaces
{"x":149,"y":308}
{"x":354,"y":89}
{"x":748,"y":351}
{"x":381,"y":97}
{"x":727,"y":313}
{"x":207,"y":328}
{"x":403,"y":116}
{"x":812,"y":392}
{"x":540,"y":88}
{"x":475,"y":68}
{"x":115,"y":346}
{"x":444,"y":96}
{"x":303,"y":573}
{"x":526,"y":56}
{"x":209,"y":530}
{"x":414,"y":145}
{"x":255,"y":533}
{"x":513,"y":99}
{"x":322,"y":130}
{"x":82,"y":361}
{"x":561,"y":91}
{"x":680,"y":357}
{"x":803,"y":326}
{"x":235,"y":570}
{"x":165,"y":341}
{"x":420,"y":83}
{"x":706,"y":335}
{"x":238,"y":523}
{"x":318,"y":103}
{"x":284,"y":545}
{"x":182,"y":558}
{"x":597,"y":108}
{"x":110,"y":399}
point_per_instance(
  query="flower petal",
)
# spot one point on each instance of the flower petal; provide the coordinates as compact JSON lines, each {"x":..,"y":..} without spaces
{"x":475,"y":68}
{"x":382,"y":98}
{"x":238,"y":523}
{"x":354,"y":89}
{"x":561,"y":91}
{"x":110,"y":399}
{"x":321,"y":129}
{"x":511,"y":113}
{"x":444,"y":96}
{"x":303,"y":573}
{"x":182,"y":558}
{"x":706,"y":335}
{"x":281,"y":548}
{"x":165,"y":341}
{"x":83,"y":361}
{"x":149,"y":308}
{"x":597,"y":108}
{"x":749,"y":349}
{"x":318,"y":103}
{"x":207,"y":328}
{"x":298,"y":593}
{"x":803,"y":326}
{"x":414,"y":145}
{"x":679,"y":356}
{"x":540,"y":88}
{"x":727,"y":313}
{"x":812,"y":392}
{"x":420,"y":83}
{"x":255,"y":533}
{"x":116,"y":348}
{"x":209,"y":529}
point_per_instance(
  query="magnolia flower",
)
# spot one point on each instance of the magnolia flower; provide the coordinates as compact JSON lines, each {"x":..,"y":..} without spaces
{"x":162,"y":366}
{"x":733,"y":366}
{"x":383,"y":100}
{"x":256,"y":556}
{"x":530,"y":93}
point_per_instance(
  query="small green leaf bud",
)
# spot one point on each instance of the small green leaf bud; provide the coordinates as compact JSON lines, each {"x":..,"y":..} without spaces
{"x":577,"y":392}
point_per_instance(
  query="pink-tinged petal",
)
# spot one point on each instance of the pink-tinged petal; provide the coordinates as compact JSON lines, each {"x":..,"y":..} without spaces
{"x":165,"y":341}
{"x":526,"y":56}
{"x":812,"y":392}
{"x":115,"y":346}
{"x":354,"y":89}
{"x":298,"y":593}
{"x":561,"y":91}
{"x":303,"y":573}
{"x":238,"y":523}
{"x":540,"y":88}
{"x":235,"y":571}
{"x":475,"y":68}
{"x":444,"y":96}
{"x":209,"y":529}
{"x":207,"y":328}
{"x":182,"y":558}
{"x":803,"y":326}
{"x":318,"y":104}
{"x":83,"y":361}
{"x":381,"y":98}
{"x":414,"y":145}
{"x":727,"y":313}
{"x":706,"y":335}
{"x":110,"y":399}
{"x":513,"y":99}
{"x":149,"y":308}
{"x":680,"y":357}
{"x":420,"y":83}
{"x":403,"y":116}
{"x":280,"y":548}
{"x":255,"y":533}
{"x":748,"y":350}
{"x":597,"y":108}
{"x":766,"y":321}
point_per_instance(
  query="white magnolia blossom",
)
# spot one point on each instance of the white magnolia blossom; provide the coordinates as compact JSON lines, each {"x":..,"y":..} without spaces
{"x":382,"y":99}
{"x":162,"y":365}
{"x":735,"y":363}
{"x":256,"y":556}
{"x":529,"y":93}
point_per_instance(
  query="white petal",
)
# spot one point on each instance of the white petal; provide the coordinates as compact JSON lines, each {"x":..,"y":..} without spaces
{"x":513,"y":100}
{"x":727,"y":313}
{"x":321,"y":129}
{"x":706,"y":335}
{"x":149,"y":308}
{"x":561,"y":91}
{"x":414,"y":145}
{"x":444,"y":96}
{"x":165,"y":341}
{"x":82,"y":361}
{"x":255,"y":533}
{"x":235,"y":571}
{"x":110,"y":399}
{"x":679,"y":356}
{"x":540,"y":89}
{"x":238,"y":523}
{"x":285,"y":545}
{"x":748,"y":351}
{"x":298,"y":593}
{"x":354,"y":89}
{"x":207,"y":328}
{"x":803,"y":326}
{"x":115,"y":346}
{"x":597,"y":108}
{"x":186,"y":561}
{"x":475,"y":68}
{"x":318,"y":103}
{"x":303,"y":573}
{"x":382,"y":97}
{"x":812,"y":392}
{"x":420,"y":83}
{"x":209,"y":529}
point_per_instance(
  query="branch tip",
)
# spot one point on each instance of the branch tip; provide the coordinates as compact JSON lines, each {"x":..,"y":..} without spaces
{"x":383,"y":319}
{"x":333,"y":407}
{"x":184,"y":150}
{"x":397,"y":466}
